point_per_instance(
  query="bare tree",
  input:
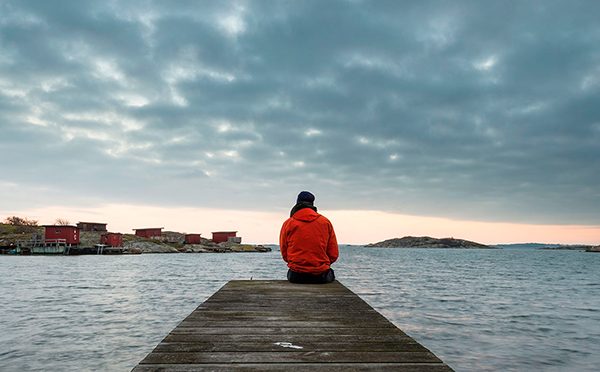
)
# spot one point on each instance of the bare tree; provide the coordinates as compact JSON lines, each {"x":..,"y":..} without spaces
{"x":20,"y":221}
{"x":62,"y":222}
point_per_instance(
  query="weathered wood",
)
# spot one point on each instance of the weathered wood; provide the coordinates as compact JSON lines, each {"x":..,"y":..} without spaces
{"x":277,"y":326}
{"x":283,"y":367}
{"x":284,"y":331}
{"x":243,"y":346}
{"x":291,"y":357}
{"x":290,"y":323}
{"x":200,"y":337}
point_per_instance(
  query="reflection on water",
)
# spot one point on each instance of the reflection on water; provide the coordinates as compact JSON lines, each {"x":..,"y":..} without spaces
{"x":478,"y":310}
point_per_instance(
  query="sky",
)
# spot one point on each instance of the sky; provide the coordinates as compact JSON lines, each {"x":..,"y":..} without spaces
{"x":473,"y":119}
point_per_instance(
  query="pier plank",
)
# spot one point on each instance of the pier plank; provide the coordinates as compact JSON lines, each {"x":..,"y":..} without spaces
{"x":291,"y":357}
{"x":199,"y":337}
{"x":284,"y":331}
{"x":316,"y":367}
{"x":277,"y":326}
{"x":246,"y":346}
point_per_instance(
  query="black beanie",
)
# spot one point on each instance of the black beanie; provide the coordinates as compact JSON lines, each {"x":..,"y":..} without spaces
{"x":305,"y":197}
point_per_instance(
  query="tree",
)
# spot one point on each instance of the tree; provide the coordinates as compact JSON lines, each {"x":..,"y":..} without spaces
{"x":20,"y":221}
{"x":62,"y":222}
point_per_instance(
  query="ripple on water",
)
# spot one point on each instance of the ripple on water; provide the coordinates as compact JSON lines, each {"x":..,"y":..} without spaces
{"x":478,"y":310}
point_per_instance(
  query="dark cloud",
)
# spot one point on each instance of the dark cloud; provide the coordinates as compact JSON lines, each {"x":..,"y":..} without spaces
{"x":460,"y":109}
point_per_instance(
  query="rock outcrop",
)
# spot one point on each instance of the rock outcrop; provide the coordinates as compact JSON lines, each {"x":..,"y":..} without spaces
{"x":148,"y":246}
{"x":428,"y":242}
{"x":11,"y":235}
{"x":593,"y":249}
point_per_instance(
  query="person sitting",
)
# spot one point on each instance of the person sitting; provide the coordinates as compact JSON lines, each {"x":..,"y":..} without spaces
{"x":308,"y":243}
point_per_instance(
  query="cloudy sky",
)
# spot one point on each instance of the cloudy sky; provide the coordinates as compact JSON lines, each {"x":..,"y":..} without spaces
{"x":404,"y":118}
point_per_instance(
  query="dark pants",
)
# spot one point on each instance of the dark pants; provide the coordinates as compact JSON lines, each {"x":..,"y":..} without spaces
{"x":304,"y":278}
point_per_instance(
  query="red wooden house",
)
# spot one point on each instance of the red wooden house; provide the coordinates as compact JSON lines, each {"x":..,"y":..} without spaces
{"x":149,"y":232}
{"x":192,"y":239}
{"x":222,"y":236}
{"x":112,"y":239}
{"x":61,"y":234}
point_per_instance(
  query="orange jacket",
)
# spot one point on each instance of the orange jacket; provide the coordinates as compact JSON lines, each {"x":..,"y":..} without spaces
{"x":307,"y":242}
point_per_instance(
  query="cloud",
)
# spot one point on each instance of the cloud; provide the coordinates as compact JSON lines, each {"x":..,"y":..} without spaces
{"x":463,"y":110}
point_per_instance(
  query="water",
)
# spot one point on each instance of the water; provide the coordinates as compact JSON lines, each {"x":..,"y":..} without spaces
{"x":478,"y":310}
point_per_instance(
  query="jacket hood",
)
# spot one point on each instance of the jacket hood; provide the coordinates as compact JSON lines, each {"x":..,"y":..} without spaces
{"x":306,"y":215}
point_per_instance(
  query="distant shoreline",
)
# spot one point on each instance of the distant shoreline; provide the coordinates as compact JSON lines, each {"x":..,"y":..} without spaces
{"x":28,"y":240}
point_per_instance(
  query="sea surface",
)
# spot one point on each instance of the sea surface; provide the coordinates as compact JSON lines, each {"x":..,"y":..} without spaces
{"x":478,"y":310}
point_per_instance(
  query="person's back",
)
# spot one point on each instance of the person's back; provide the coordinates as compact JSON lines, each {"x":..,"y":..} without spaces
{"x":308,"y":243}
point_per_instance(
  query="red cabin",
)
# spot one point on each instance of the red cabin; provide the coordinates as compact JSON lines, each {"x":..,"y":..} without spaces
{"x":192,"y":238}
{"x":149,"y":232}
{"x":61,"y":234}
{"x":112,"y":239}
{"x":222,"y":236}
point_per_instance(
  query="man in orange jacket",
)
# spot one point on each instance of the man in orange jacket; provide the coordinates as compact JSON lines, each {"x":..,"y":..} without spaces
{"x":308,"y":244}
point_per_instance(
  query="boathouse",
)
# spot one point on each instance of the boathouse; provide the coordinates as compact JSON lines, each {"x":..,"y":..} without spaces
{"x":92,"y":226}
{"x":61,"y":234}
{"x":149,"y":232}
{"x":112,"y":239}
{"x":223,"y":236}
{"x":192,"y":239}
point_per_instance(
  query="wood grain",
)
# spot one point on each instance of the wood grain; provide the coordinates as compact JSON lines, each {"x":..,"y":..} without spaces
{"x":278,"y":326}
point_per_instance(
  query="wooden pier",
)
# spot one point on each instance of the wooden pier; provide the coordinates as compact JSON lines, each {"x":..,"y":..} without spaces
{"x":255,"y":325}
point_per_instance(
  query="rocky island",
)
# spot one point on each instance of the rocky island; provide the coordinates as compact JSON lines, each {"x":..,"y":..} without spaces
{"x":428,"y":242}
